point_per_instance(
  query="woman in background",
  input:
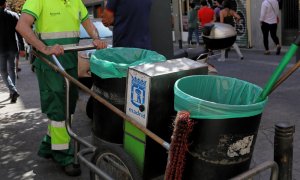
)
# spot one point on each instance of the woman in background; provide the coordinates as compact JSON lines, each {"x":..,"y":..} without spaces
{"x":229,"y":16}
{"x":269,"y":20}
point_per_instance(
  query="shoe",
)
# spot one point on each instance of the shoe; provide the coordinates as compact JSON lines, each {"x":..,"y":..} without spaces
{"x":267,"y":53}
{"x":14,"y":97}
{"x":242,"y":58}
{"x":72,"y":170}
{"x":278,"y":50}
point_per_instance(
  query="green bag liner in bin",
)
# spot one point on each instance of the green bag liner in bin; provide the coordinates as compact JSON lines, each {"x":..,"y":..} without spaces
{"x":217,"y":97}
{"x":114,"y":62}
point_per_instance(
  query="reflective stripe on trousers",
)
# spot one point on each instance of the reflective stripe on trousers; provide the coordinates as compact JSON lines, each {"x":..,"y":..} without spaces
{"x":60,"y":138}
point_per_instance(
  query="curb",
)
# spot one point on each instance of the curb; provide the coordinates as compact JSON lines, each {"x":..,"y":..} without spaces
{"x":284,"y":49}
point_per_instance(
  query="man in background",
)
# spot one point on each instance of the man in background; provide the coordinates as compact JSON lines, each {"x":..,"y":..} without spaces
{"x":193,"y":24}
{"x":205,"y":14}
{"x":130,"y":21}
{"x":9,"y":49}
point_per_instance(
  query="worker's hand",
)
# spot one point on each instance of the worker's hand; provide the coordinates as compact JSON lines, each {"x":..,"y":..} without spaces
{"x":108,"y":18}
{"x":22,"y":53}
{"x":56,"y":50}
{"x":99,"y":44}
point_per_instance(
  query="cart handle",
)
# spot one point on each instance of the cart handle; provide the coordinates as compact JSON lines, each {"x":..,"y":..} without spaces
{"x":259,"y":168}
{"x":79,"y":48}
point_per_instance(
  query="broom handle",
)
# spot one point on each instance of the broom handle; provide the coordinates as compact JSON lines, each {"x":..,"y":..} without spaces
{"x":286,"y":59}
{"x":104,"y":102}
{"x":286,"y":75}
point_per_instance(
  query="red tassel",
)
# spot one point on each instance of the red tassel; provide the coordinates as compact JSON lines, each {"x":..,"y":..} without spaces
{"x":183,"y":126}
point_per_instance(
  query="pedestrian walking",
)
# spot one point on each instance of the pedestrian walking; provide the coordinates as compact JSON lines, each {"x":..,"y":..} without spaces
{"x":9,"y":49}
{"x":205,"y":14}
{"x":268,"y":20}
{"x":130,"y":21}
{"x":229,"y":16}
{"x":217,"y":9}
{"x":193,"y":24}
{"x":57,"y":25}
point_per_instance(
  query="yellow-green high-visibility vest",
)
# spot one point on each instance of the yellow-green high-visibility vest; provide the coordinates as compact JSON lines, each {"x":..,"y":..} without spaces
{"x":57,"y":22}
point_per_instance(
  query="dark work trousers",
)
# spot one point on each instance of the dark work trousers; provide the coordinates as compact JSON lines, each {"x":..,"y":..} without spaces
{"x":272,"y":28}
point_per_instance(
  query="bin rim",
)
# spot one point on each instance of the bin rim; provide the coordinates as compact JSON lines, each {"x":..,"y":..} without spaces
{"x":186,"y":77}
{"x":114,"y":62}
{"x":216,"y":104}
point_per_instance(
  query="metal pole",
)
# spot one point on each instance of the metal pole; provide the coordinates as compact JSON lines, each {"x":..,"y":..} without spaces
{"x":283,"y":149}
{"x":248,"y":175}
{"x":177,"y":21}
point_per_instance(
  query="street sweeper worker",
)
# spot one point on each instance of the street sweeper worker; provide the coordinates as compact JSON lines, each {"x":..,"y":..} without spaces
{"x":57,"y":25}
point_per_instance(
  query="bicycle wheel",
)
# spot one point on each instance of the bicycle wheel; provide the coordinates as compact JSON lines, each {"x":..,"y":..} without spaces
{"x":115,"y":162}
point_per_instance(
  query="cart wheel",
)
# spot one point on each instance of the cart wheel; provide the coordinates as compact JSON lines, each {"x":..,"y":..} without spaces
{"x":114,"y":161}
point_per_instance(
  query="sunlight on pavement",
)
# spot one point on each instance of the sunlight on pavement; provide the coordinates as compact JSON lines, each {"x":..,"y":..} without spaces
{"x":28,"y":175}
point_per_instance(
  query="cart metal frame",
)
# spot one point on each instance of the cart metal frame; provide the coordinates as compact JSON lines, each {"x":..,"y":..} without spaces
{"x":90,"y":149}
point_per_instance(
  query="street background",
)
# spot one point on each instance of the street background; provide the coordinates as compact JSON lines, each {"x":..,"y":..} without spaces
{"x":22,"y":124}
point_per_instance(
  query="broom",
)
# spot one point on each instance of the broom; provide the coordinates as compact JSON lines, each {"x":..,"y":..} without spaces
{"x":183,"y":126}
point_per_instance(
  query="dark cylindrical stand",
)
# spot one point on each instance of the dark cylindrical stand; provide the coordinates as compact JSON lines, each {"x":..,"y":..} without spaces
{"x":283,"y":149}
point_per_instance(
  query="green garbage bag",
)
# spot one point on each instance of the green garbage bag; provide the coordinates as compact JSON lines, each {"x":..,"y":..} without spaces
{"x":217,"y":97}
{"x":114,"y":62}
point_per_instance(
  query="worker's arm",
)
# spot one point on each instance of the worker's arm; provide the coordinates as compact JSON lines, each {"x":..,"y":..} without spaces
{"x":93,"y":33}
{"x":24,"y":28}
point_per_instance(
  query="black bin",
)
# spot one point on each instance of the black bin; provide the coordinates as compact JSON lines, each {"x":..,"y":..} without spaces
{"x":109,"y":70}
{"x":107,"y":125}
{"x":227,"y":120}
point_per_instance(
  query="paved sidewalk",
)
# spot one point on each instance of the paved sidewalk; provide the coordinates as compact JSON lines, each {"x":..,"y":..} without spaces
{"x":22,"y":125}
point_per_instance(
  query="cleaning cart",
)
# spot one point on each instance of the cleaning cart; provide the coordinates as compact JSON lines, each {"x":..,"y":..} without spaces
{"x":111,"y":154}
{"x":116,"y":159}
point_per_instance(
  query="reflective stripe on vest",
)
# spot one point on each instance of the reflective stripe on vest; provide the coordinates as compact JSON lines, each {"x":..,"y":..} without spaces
{"x":60,"y":138}
{"x":67,"y":39}
{"x":58,"y":35}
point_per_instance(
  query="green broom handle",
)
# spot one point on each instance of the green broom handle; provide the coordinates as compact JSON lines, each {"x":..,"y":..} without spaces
{"x":285,"y":60}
